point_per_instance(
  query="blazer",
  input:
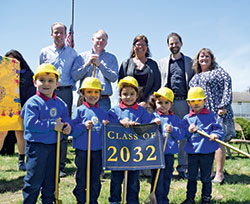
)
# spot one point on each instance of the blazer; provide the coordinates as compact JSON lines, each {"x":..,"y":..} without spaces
{"x":164,"y":69}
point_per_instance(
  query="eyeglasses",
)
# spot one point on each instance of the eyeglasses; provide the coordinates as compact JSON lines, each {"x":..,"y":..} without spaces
{"x":193,"y":102}
{"x":140,"y":45}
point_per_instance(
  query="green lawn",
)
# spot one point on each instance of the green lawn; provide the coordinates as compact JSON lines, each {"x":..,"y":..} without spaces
{"x":235,"y":190}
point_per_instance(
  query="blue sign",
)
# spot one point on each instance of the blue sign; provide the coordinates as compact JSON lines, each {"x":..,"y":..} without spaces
{"x":134,"y":148}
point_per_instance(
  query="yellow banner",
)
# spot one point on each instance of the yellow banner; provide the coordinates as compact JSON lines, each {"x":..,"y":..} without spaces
{"x":10,"y":105}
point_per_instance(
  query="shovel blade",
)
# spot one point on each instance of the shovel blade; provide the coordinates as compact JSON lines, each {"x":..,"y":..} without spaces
{"x":151,"y":199}
{"x":58,"y":201}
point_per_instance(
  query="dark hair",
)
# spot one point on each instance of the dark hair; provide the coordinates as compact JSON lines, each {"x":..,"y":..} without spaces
{"x":136,"y":39}
{"x":174,"y":34}
{"x":196,"y":64}
{"x":17,"y":55}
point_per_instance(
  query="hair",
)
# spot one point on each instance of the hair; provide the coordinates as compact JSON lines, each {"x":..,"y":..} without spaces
{"x":196,"y":64}
{"x":174,"y":34}
{"x":151,"y":104}
{"x":136,"y":39}
{"x":47,"y":73}
{"x":17,"y":55}
{"x":102,"y":31}
{"x":58,"y":23}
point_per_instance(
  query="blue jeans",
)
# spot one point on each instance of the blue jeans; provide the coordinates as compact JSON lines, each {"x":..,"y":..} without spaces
{"x":95,"y":171}
{"x":133,"y":187}
{"x":163,"y":184}
{"x":40,"y":165}
{"x":204,"y":162}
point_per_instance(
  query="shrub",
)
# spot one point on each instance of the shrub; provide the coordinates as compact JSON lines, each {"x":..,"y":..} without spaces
{"x":245,"y":124}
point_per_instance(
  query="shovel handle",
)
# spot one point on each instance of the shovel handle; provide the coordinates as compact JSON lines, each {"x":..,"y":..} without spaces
{"x":57,"y":168}
{"x":225,"y":144}
{"x":125,"y":184}
{"x":158,"y":170}
{"x":88,"y":168}
{"x":93,"y":71}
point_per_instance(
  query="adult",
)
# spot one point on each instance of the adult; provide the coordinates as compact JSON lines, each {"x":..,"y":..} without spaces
{"x":62,"y":57}
{"x":142,"y":68}
{"x":27,"y":90}
{"x":217,"y":85}
{"x":176,"y":72}
{"x":106,"y":67}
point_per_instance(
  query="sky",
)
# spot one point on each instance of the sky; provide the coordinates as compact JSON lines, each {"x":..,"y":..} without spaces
{"x":221,"y":25}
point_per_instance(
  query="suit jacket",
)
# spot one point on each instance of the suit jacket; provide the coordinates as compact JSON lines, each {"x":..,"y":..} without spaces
{"x":164,"y":69}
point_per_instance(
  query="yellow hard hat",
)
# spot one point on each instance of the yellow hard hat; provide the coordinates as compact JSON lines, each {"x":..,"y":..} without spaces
{"x":196,"y":93}
{"x":128,"y":80}
{"x":46,"y":68}
{"x":91,"y":83}
{"x":166,"y":93}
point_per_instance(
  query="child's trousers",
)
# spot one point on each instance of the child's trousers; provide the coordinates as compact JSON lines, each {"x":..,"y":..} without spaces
{"x":204,"y":162}
{"x":133,"y":187}
{"x":41,"y":164}
{"x":163,"y":184}
{"x":95,"y":172}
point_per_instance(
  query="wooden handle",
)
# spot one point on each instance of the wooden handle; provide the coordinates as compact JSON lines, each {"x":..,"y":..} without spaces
{"x":88,"y":168}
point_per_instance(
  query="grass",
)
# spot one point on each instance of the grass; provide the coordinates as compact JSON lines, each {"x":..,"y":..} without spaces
{"x":235,"y":190}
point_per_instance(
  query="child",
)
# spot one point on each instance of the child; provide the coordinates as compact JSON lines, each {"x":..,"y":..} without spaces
{"x":86,"y":117}
{"x":128,"y":113}
{"x":43,"y":114}
{"x":162,"y":101}
{"x":199,"y":148}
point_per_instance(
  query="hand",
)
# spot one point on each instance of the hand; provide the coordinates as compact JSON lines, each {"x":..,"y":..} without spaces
{"x":192,"y":128}
{"x":157,"y":121}
{"x":125,"y":122}
{"x":94,"y":59}
{"x":169,"y":128}
{"x":105,"y":122}
{"x":88,"y":124}
{"x":222,"y":111}
{"x":143,"y":104}
{"x":58,"y":125}
{"x":66,"y":129}
{"x":213,"y":137}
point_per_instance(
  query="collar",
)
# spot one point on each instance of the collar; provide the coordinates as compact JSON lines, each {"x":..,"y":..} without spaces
{"x":204,"y":111}
{"x":46,"y":98}
{"x":93,"y":52}
{"x":123,"y":106}
{"x":57,"y":48}
{"x":181,"y":58}
{"x":169,"y":113}
{"x":88,"y":105}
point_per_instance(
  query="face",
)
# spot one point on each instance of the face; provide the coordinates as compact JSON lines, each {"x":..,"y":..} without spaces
{"x":99,"y":41}
{"x":140,"y":48}
{"x":163,"y":105}
{"x":92,"y":96}
{"x":59,"y":35}
{"x":197,"y":105}
{"x":205,"y":61}
{"x":46,"y":83}
{"x":174,"y":44}
{"x":128,"y":96}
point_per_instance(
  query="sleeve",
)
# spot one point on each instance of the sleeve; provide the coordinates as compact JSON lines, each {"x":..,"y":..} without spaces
{"x":109,"y":68}
{"x":226,"y":88}
{"x":178,"y":130}
{"x":147,"y":117}
{"x":41,"y":57}
{"x":186,"y":124}
{"x":33,"y":123}
{"x":80,"y":68}
{"x":194,"y":81}
{"x":122,"y":70}
{"x":112,"y":116}
{"x":78,"y":126}
{"x":157,"y":78}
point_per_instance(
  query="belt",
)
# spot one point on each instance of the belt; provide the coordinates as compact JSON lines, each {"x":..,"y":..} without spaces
{"x":64,"y":87}
{"x":180,"y":98}
{"x":104,"y":96}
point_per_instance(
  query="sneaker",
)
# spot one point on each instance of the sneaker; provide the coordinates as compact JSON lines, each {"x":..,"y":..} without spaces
{"x":205,"y":200}
{"x":21,"y":166}
{"x":188,"y":201}
{"x":62,"y":173}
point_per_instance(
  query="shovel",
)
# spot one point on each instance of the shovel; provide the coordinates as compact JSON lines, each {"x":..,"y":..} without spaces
{"x":151,"y":199}
{"x":57,"y":201}
{"x":125,"y":184}
{"x":88,"y":168}
{"x":225,"y":144}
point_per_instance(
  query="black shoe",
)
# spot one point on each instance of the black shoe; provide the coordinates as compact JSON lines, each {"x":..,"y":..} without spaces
{"x":205,"y":200}
{"x":188,"y":201}
{"x":183,"y":175}
{"x":62,"y":173}
{"x":21,"y":166}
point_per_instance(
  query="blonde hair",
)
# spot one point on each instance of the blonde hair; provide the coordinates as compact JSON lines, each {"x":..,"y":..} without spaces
{"x":196,"y":64}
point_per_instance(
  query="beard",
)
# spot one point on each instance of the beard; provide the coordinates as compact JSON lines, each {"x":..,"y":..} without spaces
{"x":175,"y":50}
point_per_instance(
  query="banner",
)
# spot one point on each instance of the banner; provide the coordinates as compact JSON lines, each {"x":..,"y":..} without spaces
{"x":10,"y":105}
{"x":134,"y":148}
